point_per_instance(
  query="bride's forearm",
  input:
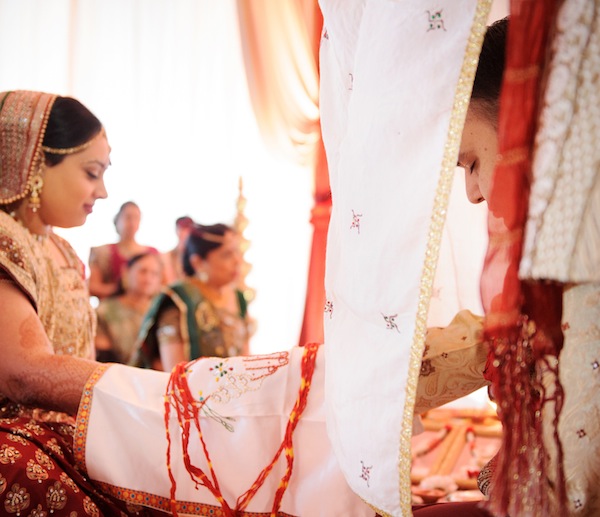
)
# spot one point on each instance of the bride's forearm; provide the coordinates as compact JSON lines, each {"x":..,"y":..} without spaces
{"x":30,"y":372}
{"x":52,"y":382}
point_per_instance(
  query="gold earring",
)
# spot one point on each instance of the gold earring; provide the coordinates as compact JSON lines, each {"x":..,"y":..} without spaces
{"x":36,"y":184}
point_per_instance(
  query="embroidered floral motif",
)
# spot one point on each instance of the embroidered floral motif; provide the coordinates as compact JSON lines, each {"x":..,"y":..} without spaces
{"x":35,"y":471}
{"x":426,"y":368}
{"x":325,"y":33}
{"x":435,"y":20}
{"x":9,"y":454}
{"x":355,"y":221}
{"x":2,"y":484}
{"x":34,"y":428}
{"x":595,"y":365}
{"x":17,"y":439}
{"x":54,"y":447}
{"x":577,"y":503}
{"x":22,"y":432}
{"x":90,"y":507}
{"x":12,"y":251}
{"x":44,"y":460}
{"x":38,"y":511}
{"x":234,"y":387}
{"x":365,"y":473}
{"x":17,"y":499}
{"x":220,"y":370}
{"x":581,"y":433}
{"x":65,"y":479}
{"x":390,"y":322}
{"x":56,"y":497}
{"x":565,"y":326}
{"x":329,"y":308}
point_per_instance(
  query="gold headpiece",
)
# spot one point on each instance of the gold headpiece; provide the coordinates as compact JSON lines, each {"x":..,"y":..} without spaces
{"x":73,"y":150}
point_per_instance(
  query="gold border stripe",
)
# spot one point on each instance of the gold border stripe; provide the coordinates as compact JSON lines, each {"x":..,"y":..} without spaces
{"x":83,"y":416}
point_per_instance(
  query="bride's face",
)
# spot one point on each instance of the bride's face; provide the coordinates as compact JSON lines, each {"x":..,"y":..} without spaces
{"x":478,"y":153}
{"x":73,"y":186}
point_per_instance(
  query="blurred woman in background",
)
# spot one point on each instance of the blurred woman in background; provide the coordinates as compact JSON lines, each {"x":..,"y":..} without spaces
{"x":120,"y":316}
{"x":106,"y":261}
{"x":204,"y":314}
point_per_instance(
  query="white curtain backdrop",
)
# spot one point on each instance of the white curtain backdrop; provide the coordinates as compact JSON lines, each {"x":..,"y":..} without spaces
{"x":167,"y":80}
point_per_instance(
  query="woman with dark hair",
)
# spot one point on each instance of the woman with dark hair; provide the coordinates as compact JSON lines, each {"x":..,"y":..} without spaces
{"x":173,"y":259}
{"x":120,"y":316}
{"x":202,"y":315}
{"x":106,"y":261}
{"x":53,"y":156}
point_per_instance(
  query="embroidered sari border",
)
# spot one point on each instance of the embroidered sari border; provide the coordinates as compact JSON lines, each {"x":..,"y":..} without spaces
{"x":83,"y":416}
{"x":138,"y":498}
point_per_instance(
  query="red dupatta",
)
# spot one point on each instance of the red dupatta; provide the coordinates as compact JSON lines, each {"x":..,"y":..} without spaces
{"x":522,"y":321}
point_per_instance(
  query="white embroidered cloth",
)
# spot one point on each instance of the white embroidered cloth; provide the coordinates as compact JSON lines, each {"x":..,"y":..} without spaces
{"x":243,"y":422}
{"x":390,"y":72}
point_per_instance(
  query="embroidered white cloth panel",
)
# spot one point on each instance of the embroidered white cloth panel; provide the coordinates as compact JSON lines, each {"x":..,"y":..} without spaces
{"x":389,"y":72}
{"x":249,"y":401}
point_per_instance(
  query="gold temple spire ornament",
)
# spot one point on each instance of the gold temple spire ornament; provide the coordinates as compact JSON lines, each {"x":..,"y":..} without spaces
{"x":240,"y":223}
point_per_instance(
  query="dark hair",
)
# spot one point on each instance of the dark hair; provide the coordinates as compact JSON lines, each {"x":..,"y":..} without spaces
{"x":130,"y":263}
{"x":490,"y":69}
{"x":122,"y":208}
{"x":70,"y":124}
{"x":140,"y":256}
{"x":201,"y":241}
{"x":184,"y":222}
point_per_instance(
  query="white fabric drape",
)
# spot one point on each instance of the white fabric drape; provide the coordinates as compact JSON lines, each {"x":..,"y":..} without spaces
{"x":395,"y":83}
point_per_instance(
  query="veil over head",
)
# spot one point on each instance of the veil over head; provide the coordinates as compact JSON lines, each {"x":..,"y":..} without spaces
{"x":23,"y":120}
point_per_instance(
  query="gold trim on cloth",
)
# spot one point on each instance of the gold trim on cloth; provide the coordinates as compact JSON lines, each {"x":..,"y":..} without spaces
{"x":83,"y":416}
{"x":459,"y":111}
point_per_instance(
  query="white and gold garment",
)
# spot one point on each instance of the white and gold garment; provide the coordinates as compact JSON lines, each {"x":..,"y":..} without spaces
{"x":260,"y":444}
{"x":562,"y":241}
{"x":66,"y":314}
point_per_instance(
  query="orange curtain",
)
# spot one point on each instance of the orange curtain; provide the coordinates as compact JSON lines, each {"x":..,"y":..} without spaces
{"x":280,"y":41}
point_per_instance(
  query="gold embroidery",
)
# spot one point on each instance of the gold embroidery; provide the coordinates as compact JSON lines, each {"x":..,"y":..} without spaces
{"x":35,"y":471}
{"x":44,"y":460}
{"x":17,"y":439}
{"x":59,"y":293}
{"x":69,"y":482}
{"x":34,"y":428}
{"x":9,"y":454}
{"x":90,"y":507}
{"x":17,"y":499}
{"x":56,"y":497}
{"x":53,"y":446}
